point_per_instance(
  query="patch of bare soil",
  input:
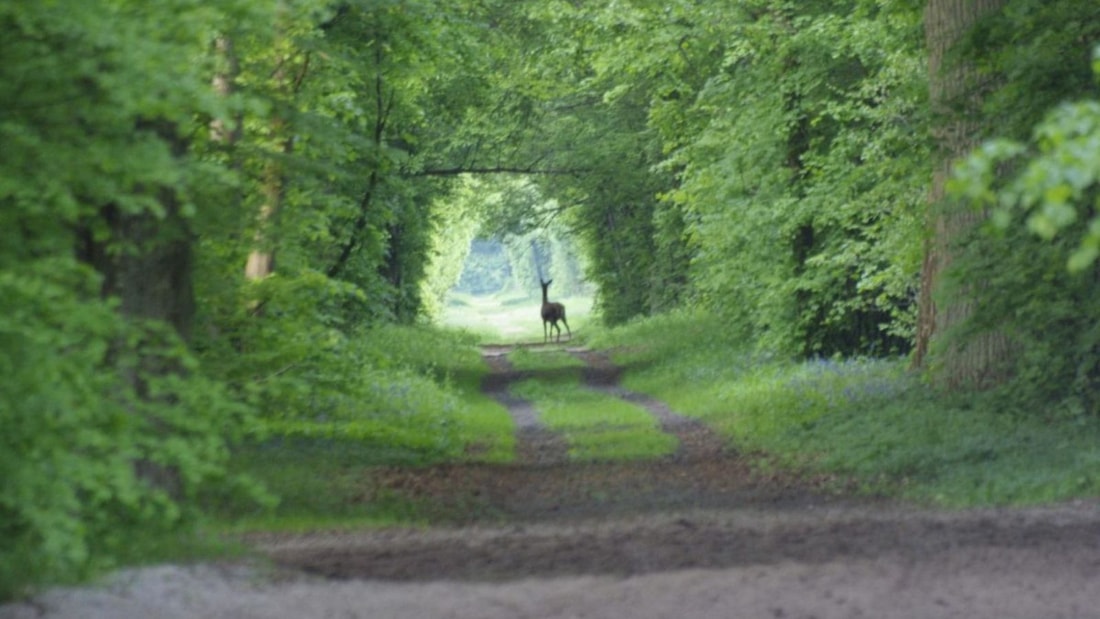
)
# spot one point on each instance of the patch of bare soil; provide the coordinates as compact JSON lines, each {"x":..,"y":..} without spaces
{"x":696,"y":534}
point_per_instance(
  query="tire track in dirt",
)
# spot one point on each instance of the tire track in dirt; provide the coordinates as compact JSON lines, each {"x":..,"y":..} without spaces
{"x":758,"y":535}
{"x":535,"y":443}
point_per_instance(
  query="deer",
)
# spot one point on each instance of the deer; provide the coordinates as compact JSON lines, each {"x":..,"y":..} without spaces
{"x":551,"y":314}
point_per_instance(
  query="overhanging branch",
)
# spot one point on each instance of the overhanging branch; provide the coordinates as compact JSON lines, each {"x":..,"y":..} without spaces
{"x":496,"y":170}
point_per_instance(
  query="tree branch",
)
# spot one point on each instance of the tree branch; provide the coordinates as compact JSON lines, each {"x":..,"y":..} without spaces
{"x":496,"y":170}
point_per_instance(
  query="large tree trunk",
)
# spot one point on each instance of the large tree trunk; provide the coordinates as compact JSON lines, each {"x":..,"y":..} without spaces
{"x":146,"y":263}
{"x":955,"y":95}
{"x":151,"y":277}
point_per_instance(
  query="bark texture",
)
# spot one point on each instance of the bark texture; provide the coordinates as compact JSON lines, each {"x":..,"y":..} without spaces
{"x":955,"y":89}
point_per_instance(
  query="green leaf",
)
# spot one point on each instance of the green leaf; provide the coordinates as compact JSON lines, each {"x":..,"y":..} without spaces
{"x":1082,"y":258}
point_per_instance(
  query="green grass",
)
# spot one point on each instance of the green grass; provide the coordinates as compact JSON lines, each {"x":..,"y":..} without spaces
{"x":870,"y":419}
{"x":546,"y":360}
{"x":423,"y":405}
{"x":486,"y":430}
{"x":317,"y":484}
{"x":482,"y":429}
{"x":511,"y":317}
{"x":596,"y":427}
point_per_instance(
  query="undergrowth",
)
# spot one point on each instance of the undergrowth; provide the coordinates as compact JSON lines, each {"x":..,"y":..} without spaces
{"x":870,"y":419}
{"x":390,"y":396}
{"x":398,"y":389}
{"x":317,"y":483}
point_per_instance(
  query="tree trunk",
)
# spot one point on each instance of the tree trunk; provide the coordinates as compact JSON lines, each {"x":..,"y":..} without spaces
{"x":146,"y":263}
{"x":261,"y":259}
{"x":224,"y":84}
{"x":955,"y":96}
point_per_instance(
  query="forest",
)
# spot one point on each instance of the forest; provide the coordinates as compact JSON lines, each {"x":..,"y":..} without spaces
{"x":234,"y":224}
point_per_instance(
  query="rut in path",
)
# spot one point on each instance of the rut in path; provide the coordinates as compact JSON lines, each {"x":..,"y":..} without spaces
{"x":535,"y":443}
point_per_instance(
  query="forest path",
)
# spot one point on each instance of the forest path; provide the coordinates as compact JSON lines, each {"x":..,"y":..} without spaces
{"x":697,"y":534}
{"x":544,"y":484}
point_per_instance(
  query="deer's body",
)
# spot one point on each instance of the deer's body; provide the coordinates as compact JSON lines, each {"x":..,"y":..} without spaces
{"x":551,"y":314}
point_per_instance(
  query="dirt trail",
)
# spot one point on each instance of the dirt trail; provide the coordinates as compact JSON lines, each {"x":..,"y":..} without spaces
{"x":544,"y":485}
{"x":696,"y":534}
{"x":535,"y":444}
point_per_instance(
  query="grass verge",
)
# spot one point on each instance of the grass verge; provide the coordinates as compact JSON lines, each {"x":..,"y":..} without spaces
{"x":869,"y":419}
{"x":418,"y":401}
{"x":597,"y":427}
{"x":317,"y":484}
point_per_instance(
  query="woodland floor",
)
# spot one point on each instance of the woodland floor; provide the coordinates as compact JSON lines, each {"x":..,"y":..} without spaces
{"x":700,"y":533}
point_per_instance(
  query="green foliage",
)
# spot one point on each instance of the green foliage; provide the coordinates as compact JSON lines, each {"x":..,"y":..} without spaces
{"x":384,"y":386}
{"x":805,"y":227}
{"x":457,"y":223}
{"x":1056,"y":189}
{"x":868,"y":419}
{"x":77,"y":432}
{"x":311,"y":147}
{"x":1038,"y":256}
{"x":398,"y":396}
{"x":1038,"y":54}
{"x":616,"y":222}
{"x":110,"y":425}
{"x":819,"y":196}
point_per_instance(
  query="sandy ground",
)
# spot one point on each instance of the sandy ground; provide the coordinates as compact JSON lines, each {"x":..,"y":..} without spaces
{"x":826,"y":562}
{"x":697,"y":534}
